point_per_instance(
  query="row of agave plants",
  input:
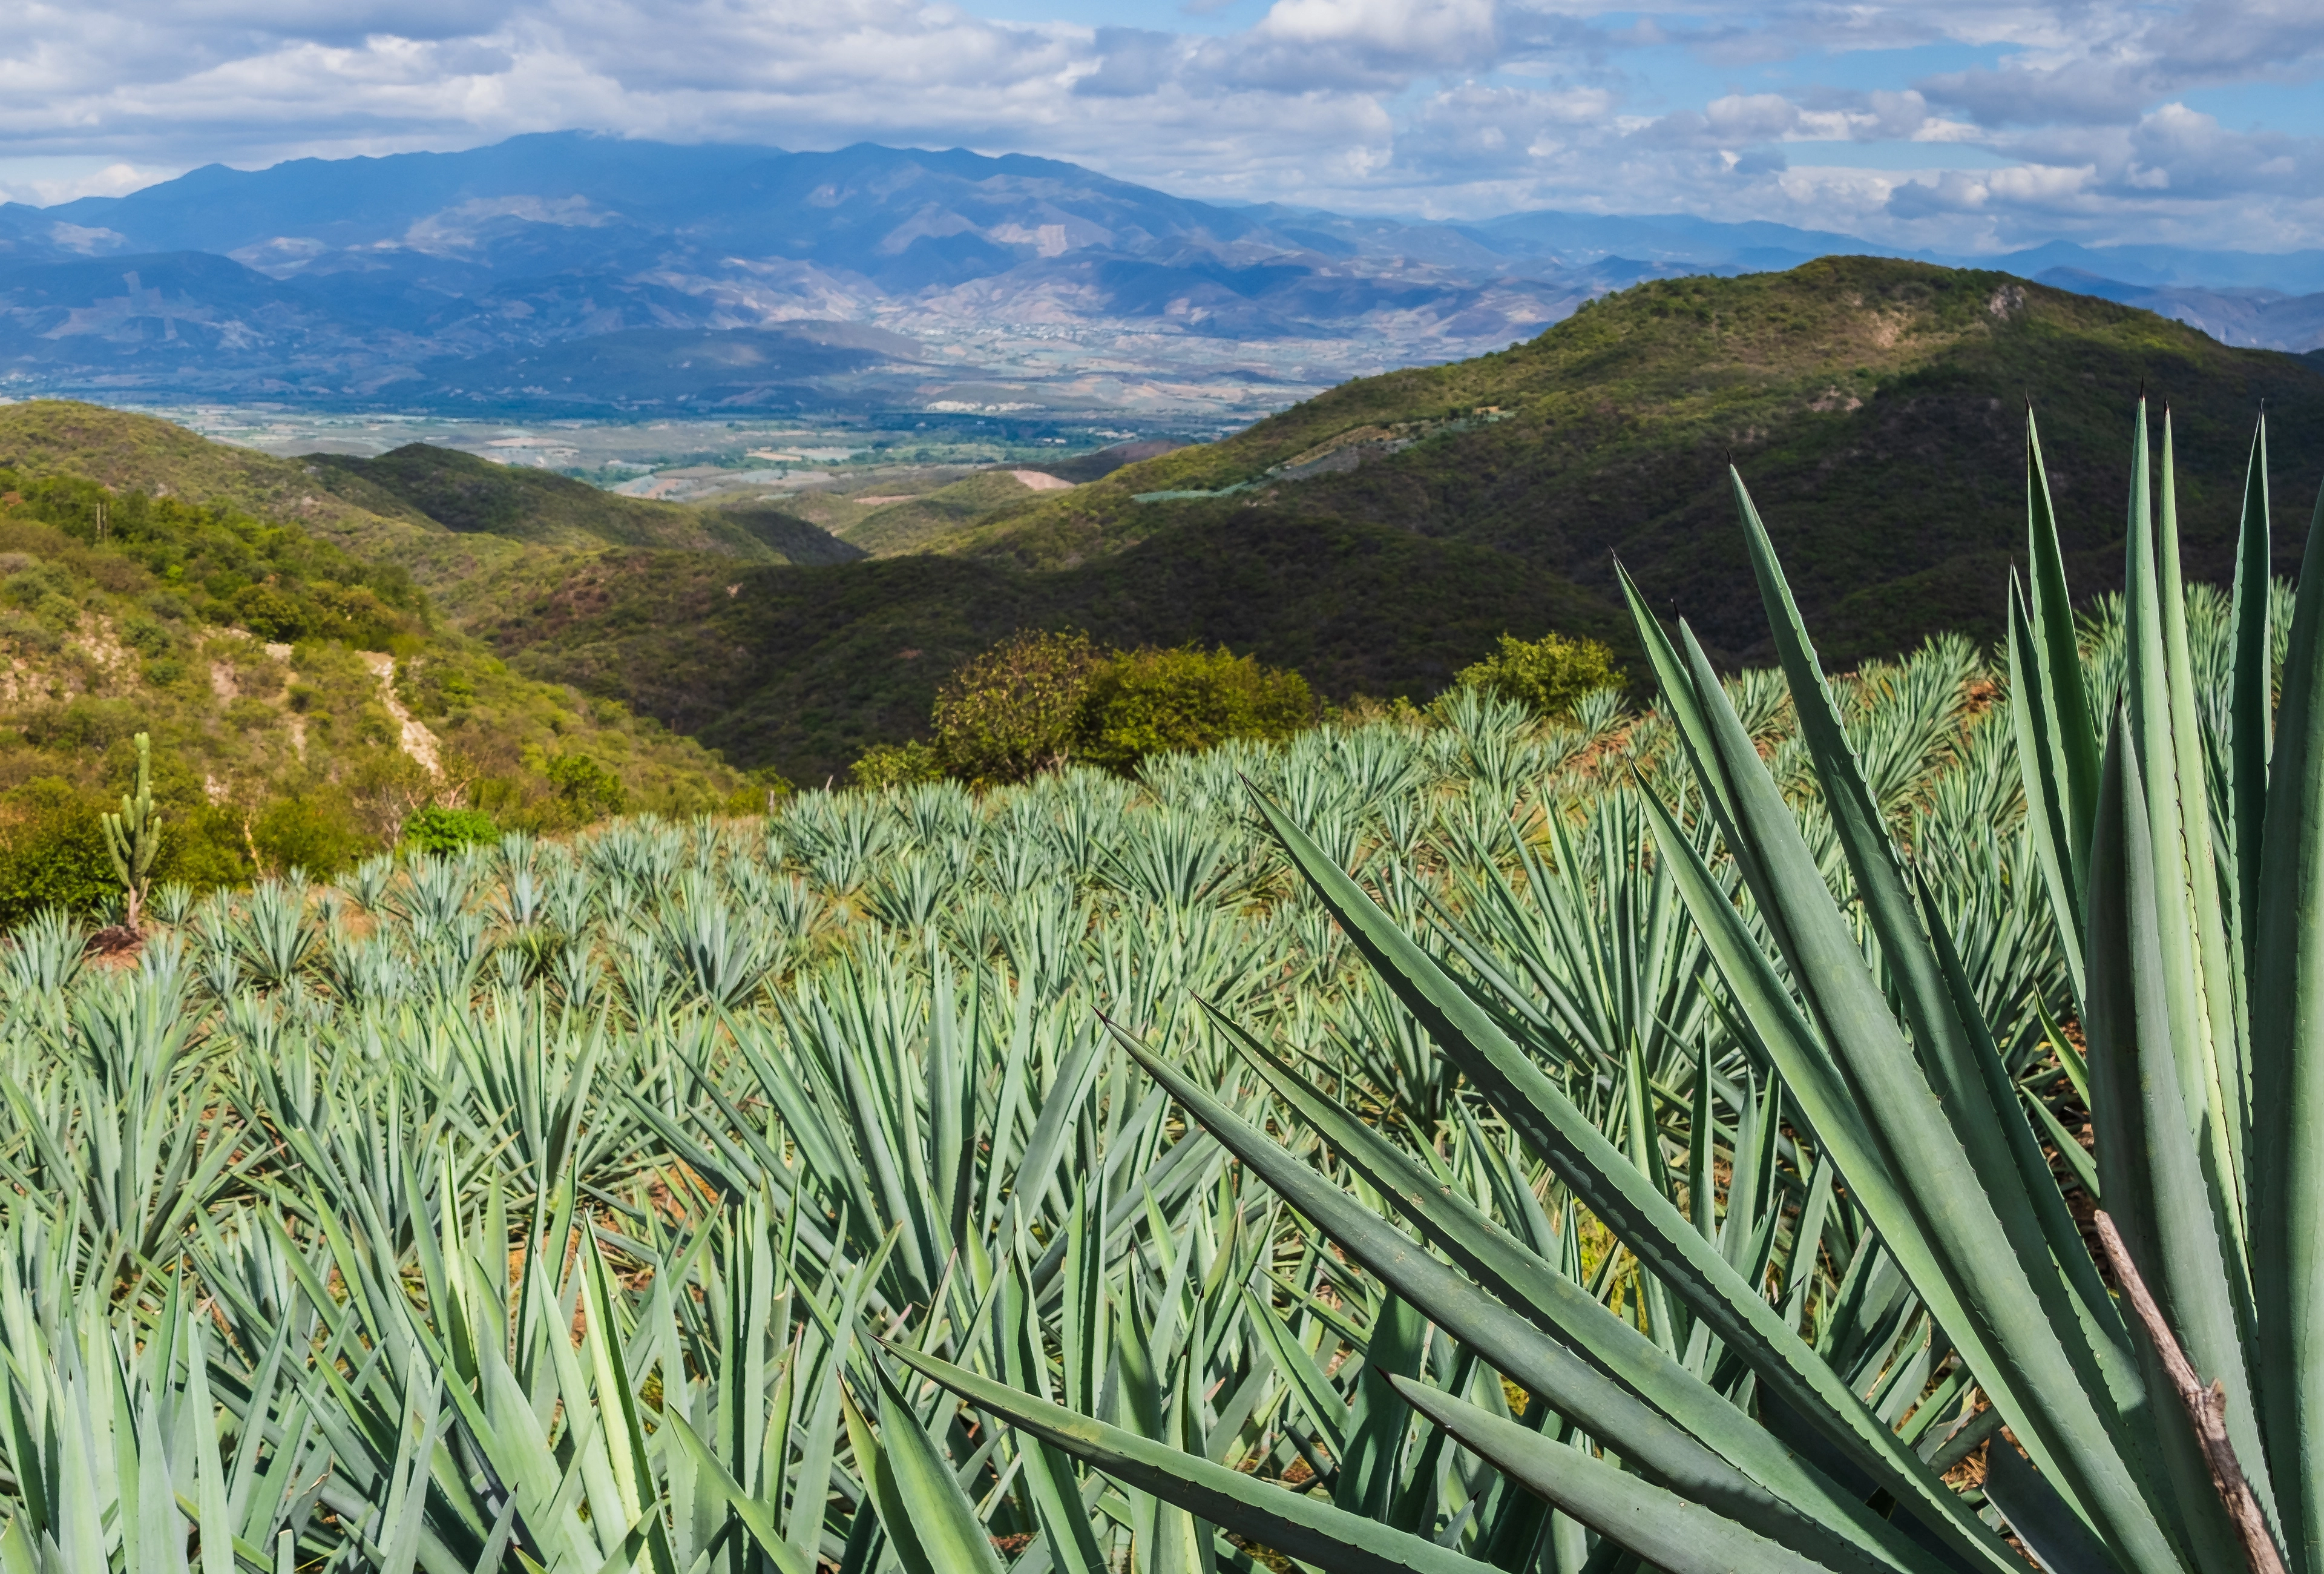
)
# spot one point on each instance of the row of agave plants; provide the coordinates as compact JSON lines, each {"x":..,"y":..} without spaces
{"x":1640,"y":1142}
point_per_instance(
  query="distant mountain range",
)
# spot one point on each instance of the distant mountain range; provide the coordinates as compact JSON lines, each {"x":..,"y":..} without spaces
{"x":724,"y":276}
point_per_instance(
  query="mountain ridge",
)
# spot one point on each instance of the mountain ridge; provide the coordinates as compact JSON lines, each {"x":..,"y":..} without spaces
{"x":380,"y":280}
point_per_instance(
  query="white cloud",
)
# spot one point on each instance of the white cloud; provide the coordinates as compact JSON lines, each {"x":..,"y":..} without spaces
{"x":1450,"y":106}
{"x":113,"y":180}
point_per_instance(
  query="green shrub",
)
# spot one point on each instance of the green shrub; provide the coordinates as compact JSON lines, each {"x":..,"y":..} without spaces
{"x":1156,"y":701}
{"x":589,"y":789}
{"x":436,"y":829}
{"x":1012,"y":712}
{"x":317,"y":832}
{"x":52,"y":851}
{"x":84,"y":724}
{"x":896,"y":765}
{"x":1548,"y":674}
{"x":1037,"y":699}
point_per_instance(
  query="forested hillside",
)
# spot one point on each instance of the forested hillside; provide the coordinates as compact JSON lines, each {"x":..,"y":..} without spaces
{"x":1875,"y":407}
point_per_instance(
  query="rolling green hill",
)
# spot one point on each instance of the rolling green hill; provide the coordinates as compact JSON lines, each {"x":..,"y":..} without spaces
{"x":802,"y":668}
{"x":1876,"y":409}
{"x":912,"y":525}
{"x":474,"y":496}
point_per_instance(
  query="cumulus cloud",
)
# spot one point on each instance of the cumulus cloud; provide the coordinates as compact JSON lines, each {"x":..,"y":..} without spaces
{"x":1456,"y":108}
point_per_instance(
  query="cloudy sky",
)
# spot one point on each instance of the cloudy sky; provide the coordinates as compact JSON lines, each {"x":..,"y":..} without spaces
{"x":1966,"y":125}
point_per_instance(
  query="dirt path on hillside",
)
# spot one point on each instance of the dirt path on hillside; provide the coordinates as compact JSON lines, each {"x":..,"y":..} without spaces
{"x":416,"y":740}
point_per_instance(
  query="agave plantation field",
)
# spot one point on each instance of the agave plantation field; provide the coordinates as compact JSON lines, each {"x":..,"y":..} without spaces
{"x":1648,"y":1141}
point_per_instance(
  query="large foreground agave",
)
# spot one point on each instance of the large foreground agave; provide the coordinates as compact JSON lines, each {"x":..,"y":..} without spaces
{"x":2186,"y":872}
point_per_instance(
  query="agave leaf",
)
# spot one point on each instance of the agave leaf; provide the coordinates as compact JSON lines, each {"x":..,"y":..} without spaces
{"x":1563,"y":1307}
{"x":1610,"y":1186}
{"x":1310,"y":1391}
{"x":2049,"y":1528}
{"x":1987,"y":1241}
{"x":2179,"y":802}
{"x":2057,"y":846}
{"x":2071,"y":738}
{"x":1665,"y":1530}
{"x":2288,"y":1081}
{"x":2253,"y":700}
{"x":928,"y":1517}
{"x":1302,"y":1527}
{"x":756,"y":1517}
{"x":1057,"y":1497}
{"x":1514,"y":1346}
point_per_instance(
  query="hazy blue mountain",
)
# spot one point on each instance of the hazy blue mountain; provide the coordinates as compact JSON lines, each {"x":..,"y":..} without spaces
{"x":2158,"y":266}
{"x":386,"y":277}
{"x":2257,"y":318}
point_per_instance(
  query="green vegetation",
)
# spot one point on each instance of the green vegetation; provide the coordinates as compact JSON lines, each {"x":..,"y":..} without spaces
{"x":1015,"y":711}
{"x":1036,"y":701}
{"x":473,"y":495}
{"x":805,"y":668}
{"x":1141,"y":703}
{"x":1548,"y":676}
{"x":437,"y":829}
{"x":1850,"y":389}
{"x":916,"y":523}
{"x":300,"y":704}
{"x":905,"y":764}
{"x":1376,"y":538}
{"x":1525,"y":1221}
{"x":1520,"y":1143}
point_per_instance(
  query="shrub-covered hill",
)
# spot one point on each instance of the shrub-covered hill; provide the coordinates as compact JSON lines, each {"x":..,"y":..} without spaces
{"x":473,"y":495}
{"x":463,"y":528}
{"x":1875,"y":408}
{"x":801,"y":669}
{"x":302,"y":701}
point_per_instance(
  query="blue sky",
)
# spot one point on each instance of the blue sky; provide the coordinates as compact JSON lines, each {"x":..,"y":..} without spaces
{"x":1968,"y":125}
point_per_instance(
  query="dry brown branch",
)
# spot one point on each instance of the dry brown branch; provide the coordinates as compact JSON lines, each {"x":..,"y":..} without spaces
{"x":2205,"y":1407}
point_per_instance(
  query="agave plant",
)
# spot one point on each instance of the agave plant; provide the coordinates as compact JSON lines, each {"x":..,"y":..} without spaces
{"x":590,"y":1207}
{"x":2180,"y":866}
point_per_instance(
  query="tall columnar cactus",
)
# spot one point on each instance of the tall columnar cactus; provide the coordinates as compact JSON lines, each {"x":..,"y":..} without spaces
{"x":134,"y":835}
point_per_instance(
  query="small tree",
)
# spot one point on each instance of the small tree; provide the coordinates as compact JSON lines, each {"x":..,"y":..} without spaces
{"x":1156,"y":701}
{"x":1547,"y":674}
{"x":134,"y":836}
{"x":1011,"y":712}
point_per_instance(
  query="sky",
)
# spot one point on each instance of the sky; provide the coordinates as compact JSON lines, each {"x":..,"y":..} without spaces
{"x":1965,"y":126}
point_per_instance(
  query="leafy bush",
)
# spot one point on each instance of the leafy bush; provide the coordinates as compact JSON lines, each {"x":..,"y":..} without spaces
{"x":896,"y":765}
{"x":760,"y":792}
{"x":437,"y":829}
{"x":1014,"y":712}
{"x":1548,"y":674}
{"x":52,"y":851}
{"x":1152,"y":702}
